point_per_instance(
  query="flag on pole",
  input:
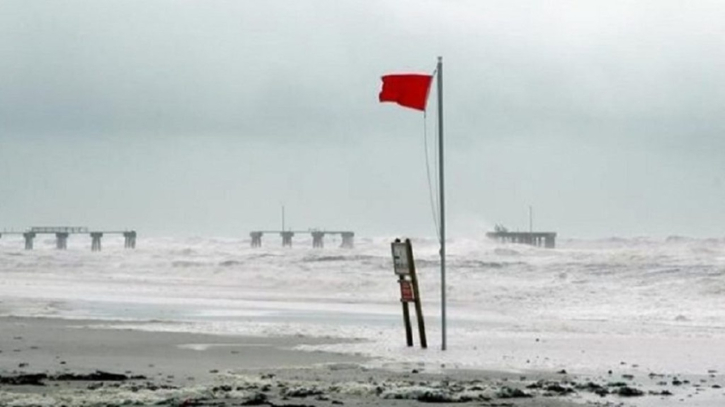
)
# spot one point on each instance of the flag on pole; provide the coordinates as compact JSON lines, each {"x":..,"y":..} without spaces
{"x":408,"y":90}
{"x":411,"y":90}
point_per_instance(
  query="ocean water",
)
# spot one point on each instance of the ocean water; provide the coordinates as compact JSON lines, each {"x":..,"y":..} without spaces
{"x":641,"y":305}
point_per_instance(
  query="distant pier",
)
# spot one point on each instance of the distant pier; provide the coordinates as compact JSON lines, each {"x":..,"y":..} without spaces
{"x":63,"y":232}
{"x":539,"y":239}
{"x":318,"y":237}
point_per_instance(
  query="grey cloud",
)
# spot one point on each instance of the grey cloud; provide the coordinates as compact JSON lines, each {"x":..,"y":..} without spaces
{"x":204,"y":117}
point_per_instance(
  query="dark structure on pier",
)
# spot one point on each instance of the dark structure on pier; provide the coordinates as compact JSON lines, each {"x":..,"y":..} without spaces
{"x":539,"y":239}
{"x":318,"y":237}
{"x":63,"y":232}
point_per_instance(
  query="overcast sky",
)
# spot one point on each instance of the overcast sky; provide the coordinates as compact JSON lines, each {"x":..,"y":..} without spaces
{"x":205,"y":117}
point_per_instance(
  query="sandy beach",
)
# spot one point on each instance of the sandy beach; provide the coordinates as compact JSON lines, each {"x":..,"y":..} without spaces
{"x":47,"y":362}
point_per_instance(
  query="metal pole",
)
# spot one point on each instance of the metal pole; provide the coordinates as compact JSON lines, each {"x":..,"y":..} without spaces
{"x":531,"y":220}
{"x":441,"y":190}
{"x":283,"y":218}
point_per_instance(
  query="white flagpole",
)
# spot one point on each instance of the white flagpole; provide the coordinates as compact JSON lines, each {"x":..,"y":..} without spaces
{"x":441,"y":190}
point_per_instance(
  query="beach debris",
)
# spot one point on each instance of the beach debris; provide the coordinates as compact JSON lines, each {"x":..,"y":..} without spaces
{"x":249,"y":390}
{"x":98,"y":375}
{"x":192,"y":402}
{"x":506,"y":392}
{"x":593,"y":388}
{"x":222,"y":388}
{"x":626,"y":391}
{"x":257,"y":399}
{"x":551,"y":388}
{"x":439,"y":396}
{"x":616,"y":384}
{"x":301,"y":392}
{"x":427,"y":392}
{"x":35,"y":379}
{"x":558,"y":389}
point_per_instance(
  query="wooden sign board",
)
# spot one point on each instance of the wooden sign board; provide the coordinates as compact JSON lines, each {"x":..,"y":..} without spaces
{"x":400,"y":259}
{"x":404,"y":267}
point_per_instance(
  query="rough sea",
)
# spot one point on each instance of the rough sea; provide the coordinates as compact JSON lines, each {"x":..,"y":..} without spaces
{"x":644,"y":304}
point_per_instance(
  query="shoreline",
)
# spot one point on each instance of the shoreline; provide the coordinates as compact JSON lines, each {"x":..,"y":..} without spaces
{"x":59,"y":345}
{"x":171,"y":368}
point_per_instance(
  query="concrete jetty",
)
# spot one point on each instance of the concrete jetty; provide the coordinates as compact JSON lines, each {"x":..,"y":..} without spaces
{"x":318,"y":237}
{"x":62,"y":233}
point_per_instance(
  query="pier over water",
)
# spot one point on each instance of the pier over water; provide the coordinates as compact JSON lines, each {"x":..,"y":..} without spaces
{"x":318,"y":237}
{"x":62,"y":233}
{"x":539,"y":239}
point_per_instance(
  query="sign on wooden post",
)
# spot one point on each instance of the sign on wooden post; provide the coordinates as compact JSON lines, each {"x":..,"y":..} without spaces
{"x":400,"y":258}
{"x":404,"y":267}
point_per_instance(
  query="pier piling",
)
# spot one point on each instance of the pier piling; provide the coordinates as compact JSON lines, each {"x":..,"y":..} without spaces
{"x":96,"y":241}
{"x":129,"y":240}
{"x":256,"y":239}
{"x":61,"y":240}
{"x":347,"y":240}
{"x":29,"y":236}
{"x":286,"y":238}
{"x":318,"y":239}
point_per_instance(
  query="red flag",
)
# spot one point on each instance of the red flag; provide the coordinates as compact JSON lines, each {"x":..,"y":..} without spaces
{"x":409,"y":90}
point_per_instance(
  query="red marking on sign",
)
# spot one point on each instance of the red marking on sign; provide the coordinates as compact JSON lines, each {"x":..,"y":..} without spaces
{"x":406,"y":291}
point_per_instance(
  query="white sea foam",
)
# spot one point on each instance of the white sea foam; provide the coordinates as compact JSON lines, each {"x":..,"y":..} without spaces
{"x":588,"y":305}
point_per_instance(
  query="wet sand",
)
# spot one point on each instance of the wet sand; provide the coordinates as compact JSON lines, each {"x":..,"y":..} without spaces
{"x":158,"y":368}
{"x":58,"y":345}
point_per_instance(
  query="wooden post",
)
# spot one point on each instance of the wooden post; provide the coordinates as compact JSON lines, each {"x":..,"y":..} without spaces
{"x":416,"y":293}
{"x":404,"y":267}
{"x":406,"y":318}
